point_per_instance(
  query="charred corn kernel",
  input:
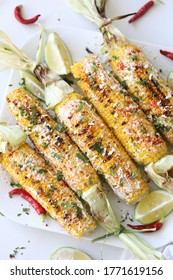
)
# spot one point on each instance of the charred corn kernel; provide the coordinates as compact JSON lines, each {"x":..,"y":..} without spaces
{"x":99,"y":144}
{"x":36,"y":177}
{"x":119,"y":111}
{"x":52,"y":142}
{"x":144,"y":83}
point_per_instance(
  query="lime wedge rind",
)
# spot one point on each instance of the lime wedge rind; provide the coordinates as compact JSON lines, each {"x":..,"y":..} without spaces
{"x":69,"y":253}
{"x":153,"y":207}
{"x":56,"y":54}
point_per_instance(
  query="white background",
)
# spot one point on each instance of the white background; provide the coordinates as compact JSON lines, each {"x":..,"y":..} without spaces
{"x":155,"y":27}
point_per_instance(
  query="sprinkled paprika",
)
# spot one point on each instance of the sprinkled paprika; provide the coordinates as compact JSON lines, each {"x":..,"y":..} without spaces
{"x":24,"y":194}
{"x":19,"y":17}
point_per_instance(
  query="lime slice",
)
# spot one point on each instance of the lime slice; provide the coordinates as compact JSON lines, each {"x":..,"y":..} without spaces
{"x":154,"y":206}
{"x":33,"y":84}
{"x":57,"y":56}
{"x":170,"y":79}
{"x":68,"y":253}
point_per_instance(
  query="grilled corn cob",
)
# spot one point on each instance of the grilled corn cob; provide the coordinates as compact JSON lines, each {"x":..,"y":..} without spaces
{"x":64,"y":156}
{"x":36,"y":177}
{"x":119,"y":111}
{"x":144,"y":83}
{"x":132,"y":68}
{"x":99,"y":144}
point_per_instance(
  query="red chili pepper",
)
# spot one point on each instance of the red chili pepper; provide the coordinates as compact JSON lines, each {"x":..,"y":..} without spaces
{"x":151,"y":227}
{"x":167,"y":54}
{"x":19,"y":17}
{"x":24,"y":194}
{"x":143,"y":10}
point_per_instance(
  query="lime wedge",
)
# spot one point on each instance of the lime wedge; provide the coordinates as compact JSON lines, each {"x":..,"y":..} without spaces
{"x":68,"y":253}
{"x":154,"y":206}
{"x":33,"y":84}
{"x":57,"y":56}
{"x":170,"y":79}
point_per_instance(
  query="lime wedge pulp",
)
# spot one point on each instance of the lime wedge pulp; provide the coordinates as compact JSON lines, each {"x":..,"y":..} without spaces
{"x":33,"y":84}
{"x":69,"y":253}
{"x":57,"y":56}
{"x":154,"y":206}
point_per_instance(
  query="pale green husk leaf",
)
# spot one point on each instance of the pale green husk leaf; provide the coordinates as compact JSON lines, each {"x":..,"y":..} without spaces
{"x":158,"y":172}
{"x":11,"y":56}
{"x":100,"y":208}
{"x":11,"y":137}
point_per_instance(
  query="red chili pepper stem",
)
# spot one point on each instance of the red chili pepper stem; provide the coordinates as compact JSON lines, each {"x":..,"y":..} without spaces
{"x":42,"y":217}
{"x":21,"y":19}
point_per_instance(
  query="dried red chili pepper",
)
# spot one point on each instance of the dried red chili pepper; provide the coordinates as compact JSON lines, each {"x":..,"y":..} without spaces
{"x":19,"y":17}
{"x":151,"y":227}
{"x":143,"y":10}
{"x":167,"y":54}
{"x":24,"y":194}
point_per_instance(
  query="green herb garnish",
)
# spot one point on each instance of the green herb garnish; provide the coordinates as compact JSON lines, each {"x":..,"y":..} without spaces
{"x":60,"y":127}
{"x":82,"y":157}
{"x":59,"y":175}
{"x":84,"y":119}
{"x":97,"y":147}
{"x":42,"y":171}
{"x":79,"y":108}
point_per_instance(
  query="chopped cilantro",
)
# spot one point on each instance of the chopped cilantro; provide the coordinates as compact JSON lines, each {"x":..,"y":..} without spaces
{"x":113,"y":172}
{"x":124,"y":84}
{"x":143,"y":82}
{"x":134,"y":57}
{"x":115,"y":57}
{"x":143,"y":129}
{"x":93,"y":67}
{"x":60,"y":127}
{"x":133,"y":174}
{"x":44,"y":145}
{"x":56,"y":155}
{"x":15,"y":252}
{"x":14,"y":184}
{"x":90,"y":182}
{"x":97,"y":147}
{"x":84,"y":119}
{"x":26,"y":210}
{"x":42,"y":171}
{"x":59,"y":175}
{"x":79,"y":108}
{"x":82,"y":157}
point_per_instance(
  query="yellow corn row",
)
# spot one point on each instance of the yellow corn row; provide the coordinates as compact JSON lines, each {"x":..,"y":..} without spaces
{"x":36,"y":177}
{"x":52,"y":141}
{"x":99,"y":144}
{"x":144,"y":83}
{"x":119,"y":111}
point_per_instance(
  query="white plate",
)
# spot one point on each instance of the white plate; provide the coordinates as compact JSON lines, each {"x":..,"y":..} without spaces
{"x":77,"y":40}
